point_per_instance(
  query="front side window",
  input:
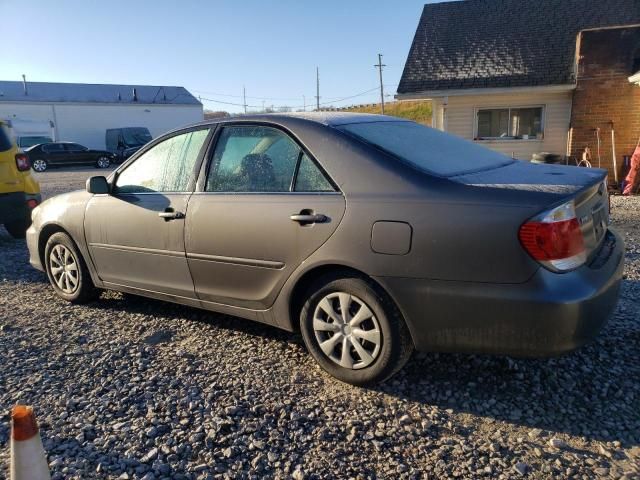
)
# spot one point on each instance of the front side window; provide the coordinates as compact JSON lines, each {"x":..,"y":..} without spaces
{"x":53,"y":148}
{"x":166,"y":167}
{"x":509,"y":123}
{"x":253,"y":159}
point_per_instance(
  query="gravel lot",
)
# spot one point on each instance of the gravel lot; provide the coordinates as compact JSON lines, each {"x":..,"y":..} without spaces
{"x":133,"y":388}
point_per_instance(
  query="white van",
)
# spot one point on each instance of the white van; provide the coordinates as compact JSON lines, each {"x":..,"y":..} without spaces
{"x":31,"y":132}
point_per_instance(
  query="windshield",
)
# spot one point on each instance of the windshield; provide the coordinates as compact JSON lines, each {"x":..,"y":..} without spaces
{"x":136,"y":136}
{"x":26,"y":142}
{"x":428,"y":149}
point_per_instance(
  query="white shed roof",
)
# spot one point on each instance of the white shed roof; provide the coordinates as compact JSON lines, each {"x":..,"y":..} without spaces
{"x":11,"y":91}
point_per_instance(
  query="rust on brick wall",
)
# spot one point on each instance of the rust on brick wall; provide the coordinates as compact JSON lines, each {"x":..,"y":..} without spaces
{"x":604,"y":95}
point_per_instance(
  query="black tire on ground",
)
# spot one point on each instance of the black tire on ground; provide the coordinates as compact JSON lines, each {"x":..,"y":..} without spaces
{"x":18,"y":228}
{"x":83,"y":290}
{"x":395,"y":344}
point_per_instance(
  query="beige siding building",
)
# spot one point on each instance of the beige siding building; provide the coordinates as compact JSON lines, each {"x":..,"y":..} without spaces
{"x":504,"y":73}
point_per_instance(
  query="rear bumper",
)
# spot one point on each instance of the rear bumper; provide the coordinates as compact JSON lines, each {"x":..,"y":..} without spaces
{"x":549,"y":315}
{"x":13,"y":206}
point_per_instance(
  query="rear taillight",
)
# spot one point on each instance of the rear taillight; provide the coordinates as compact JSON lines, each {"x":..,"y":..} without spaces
{"x":32,"y":203}
{"x":22,"y":162}
{"x":554,"y":239}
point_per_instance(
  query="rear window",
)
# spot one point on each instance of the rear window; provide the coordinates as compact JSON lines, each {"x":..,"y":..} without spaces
{"x":5,"y":139}
{"x":428,"y":149}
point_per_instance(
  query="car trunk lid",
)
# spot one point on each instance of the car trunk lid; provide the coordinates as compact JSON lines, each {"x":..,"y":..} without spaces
{"x":546,"y":186}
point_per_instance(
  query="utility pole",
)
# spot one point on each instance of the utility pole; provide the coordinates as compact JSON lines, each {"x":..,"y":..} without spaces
{"x":317,"y":89}
{"x":244,"y":99}
{"x":379,"y":67}
{"x":304,"y":103}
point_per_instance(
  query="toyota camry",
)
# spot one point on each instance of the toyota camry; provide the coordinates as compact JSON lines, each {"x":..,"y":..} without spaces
{"x":371,"y":235}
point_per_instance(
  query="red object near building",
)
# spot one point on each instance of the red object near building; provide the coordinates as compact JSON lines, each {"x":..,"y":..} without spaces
{"x":633,"y":177}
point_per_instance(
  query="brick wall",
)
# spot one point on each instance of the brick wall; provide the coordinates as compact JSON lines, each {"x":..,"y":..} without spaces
{"x":603,"y":95}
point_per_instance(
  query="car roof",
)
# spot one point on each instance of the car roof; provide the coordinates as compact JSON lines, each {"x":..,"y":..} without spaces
{"x":324,"y":118}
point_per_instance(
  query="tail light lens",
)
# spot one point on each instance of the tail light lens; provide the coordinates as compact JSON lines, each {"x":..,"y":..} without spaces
{"x":554,"y":239}
{"x":22,"y":162}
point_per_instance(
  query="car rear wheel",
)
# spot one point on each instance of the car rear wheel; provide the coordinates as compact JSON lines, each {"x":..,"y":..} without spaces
{"x":18,"y":229}
{"x":103,"y":162}
{"x":354,"y":331}
{"x":39,"y":165}
{"x":67,"y":271}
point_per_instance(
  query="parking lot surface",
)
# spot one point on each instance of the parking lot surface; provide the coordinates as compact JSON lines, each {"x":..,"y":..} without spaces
{"x":127,"y":387}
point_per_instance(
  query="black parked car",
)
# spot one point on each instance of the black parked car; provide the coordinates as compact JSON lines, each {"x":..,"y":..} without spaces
{"x":66,"y":153}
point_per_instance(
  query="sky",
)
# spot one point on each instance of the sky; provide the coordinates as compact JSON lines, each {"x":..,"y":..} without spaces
{"x":215,"y":48}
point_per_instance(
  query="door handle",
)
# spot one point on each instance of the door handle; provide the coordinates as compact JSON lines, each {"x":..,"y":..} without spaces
{"x":308,"y":218}
{"x":171,"y":215}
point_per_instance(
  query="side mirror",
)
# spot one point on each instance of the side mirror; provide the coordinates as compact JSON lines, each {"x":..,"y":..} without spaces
{"x":97,"y":185}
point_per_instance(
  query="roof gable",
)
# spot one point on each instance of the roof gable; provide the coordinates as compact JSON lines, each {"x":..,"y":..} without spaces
{"x":504,"y":43}
{"x":94,"y":93}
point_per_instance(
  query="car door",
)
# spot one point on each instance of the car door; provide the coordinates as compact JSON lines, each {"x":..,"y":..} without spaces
{"x":74,"y":154}
{"x":55,"y":153}
{"x":136,"y":234}
{"x":256,"y":218}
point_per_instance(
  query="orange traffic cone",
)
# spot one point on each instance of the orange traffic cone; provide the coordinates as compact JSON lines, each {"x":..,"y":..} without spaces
{"x":28,"y":459}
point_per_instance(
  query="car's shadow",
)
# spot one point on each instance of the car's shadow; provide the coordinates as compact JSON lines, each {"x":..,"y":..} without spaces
{"x":588,"y":393}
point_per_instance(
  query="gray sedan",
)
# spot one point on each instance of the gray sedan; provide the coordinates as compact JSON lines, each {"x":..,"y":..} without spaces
{"x":370,"y":234}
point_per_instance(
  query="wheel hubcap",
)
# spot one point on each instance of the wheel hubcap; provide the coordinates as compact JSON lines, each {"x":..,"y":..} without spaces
{"x":39,"y":165}
{"x":347,"y":331}
{"x":103,"y":163}
{"x":64,"y":269}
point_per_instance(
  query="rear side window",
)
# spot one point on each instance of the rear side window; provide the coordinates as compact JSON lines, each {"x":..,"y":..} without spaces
{"x":428,"y":149}
{"x":5,"y":139}
{"x":310,"y":178}
{"x":253,"y":159}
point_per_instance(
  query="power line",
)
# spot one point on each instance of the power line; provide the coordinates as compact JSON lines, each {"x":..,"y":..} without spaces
{"x":318,"y":104}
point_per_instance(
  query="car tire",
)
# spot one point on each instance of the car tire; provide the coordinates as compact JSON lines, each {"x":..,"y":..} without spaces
{"x":370,"y":360}
{"x":39,"y":165}
{"x":62,"y":252}
{"x":103,"y":162}
{"x":18,"y":228}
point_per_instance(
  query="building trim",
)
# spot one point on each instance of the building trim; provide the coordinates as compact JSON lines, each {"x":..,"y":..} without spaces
{"x":93,"y":104}
{"x":430,"y":94}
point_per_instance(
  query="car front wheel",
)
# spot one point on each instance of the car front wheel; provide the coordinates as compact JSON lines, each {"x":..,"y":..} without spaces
{"x":39,"y":165}
{"x":103,"y":162}
{"x":354,"y":331}
{"x":67,"y":271}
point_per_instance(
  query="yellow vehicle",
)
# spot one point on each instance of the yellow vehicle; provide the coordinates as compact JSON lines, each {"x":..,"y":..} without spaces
{"x":19,"y":192}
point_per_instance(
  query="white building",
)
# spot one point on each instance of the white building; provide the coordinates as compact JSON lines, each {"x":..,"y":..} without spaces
{"x":83,"y":112}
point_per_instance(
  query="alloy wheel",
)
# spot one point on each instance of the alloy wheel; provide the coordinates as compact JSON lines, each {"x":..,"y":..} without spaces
{"x":347,"y":331}
{"x":64,"y":269}
{"x":39,"y":165}
{"x":103,"y":162}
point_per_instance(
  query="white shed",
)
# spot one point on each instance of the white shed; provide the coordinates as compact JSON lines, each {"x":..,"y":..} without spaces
{"x":82,"y":113}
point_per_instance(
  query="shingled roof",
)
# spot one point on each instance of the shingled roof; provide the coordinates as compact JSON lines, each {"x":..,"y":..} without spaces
{"x":11,"y":91}
{"x":504,"y":43}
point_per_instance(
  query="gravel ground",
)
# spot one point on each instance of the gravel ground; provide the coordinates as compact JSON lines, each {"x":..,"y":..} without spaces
{"x":133,"y":388}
